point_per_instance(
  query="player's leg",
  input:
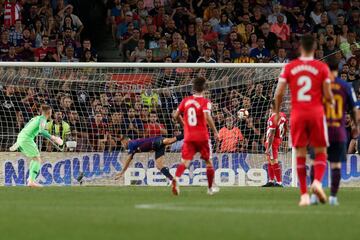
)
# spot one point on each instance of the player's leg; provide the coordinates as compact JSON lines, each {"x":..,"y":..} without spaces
{"x":159,"y":162}
{"x":205,"y":153}
{"x":336,"y":155}
{"x":34,"y":170}
{"x":271,"y":174}
{"x":270,"y":168}
{"x":299,"y":136}
{"x":188,"y":151}
{"x":319,"y":140}
{"x":276,"y":167}
{"x":31,"y":151}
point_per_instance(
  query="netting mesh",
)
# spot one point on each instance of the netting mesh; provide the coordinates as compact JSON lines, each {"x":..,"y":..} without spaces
{"x":97,"y":106}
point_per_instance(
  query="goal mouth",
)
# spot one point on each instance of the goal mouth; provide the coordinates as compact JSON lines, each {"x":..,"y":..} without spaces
{"x":96,"y":104}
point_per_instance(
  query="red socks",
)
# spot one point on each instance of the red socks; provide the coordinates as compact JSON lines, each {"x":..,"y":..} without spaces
{"x":210,"y":175}
{"x":180,"y":170}
{"x":319,"y":166}
{"x":277,"y":172}
{"x":271,"y":172}
{"x":301,"y":171}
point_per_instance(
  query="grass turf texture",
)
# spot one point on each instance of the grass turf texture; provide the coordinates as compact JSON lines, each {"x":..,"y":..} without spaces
{"x":153,"y":213}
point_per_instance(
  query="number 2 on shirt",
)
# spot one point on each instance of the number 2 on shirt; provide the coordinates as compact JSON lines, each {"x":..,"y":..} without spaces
{"x":305,"y":83}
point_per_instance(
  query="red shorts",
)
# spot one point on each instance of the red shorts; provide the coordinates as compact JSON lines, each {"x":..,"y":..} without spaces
{"x":189,"y":149}
{"x":274,"y":151}
{"x":308,"y":128}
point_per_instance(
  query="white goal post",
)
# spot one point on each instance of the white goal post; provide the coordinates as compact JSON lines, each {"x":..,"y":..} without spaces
{"x":95,"y":99}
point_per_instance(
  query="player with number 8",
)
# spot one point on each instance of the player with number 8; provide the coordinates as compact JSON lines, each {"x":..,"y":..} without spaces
{"x":196,"y":111}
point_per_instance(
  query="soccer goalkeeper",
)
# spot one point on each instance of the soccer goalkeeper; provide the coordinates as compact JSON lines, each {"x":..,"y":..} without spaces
{"x":26,"y":144}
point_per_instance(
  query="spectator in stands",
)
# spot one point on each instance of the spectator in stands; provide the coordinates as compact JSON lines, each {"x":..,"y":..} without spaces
{"x":260,"y":53}
{"x":4,"y":43}
{"x":15,"y":35}
{"x":148,"y":56}
{"x":281,"y":57}
{"x":154,"y":128}
{"x":236,"y":51}
{"x":176,"y":147}
{"x":130,"y":44}
{"x":258,"y":19}
{"x":206,"y":58}
{"x":26,"y":46}
{"x":79,"y":131}
{"x":117,"y":130}
{"x":269,"y":37}
{"x":68,"y":38}
{"x":315,"y":15}
{"x":134,"y":126}
{"x":11,"y":55}
{"x":230,"y":137}
{"x":219,"y":51}
{"x":86,"y":46}
{"x":330,"y":47}
{"x":69,"y":55}
{"x":281,"y":29}
{"x":301,"y":27}
{"x":45,"y":53}
{"x":68,"y":11}
{"x":251,"y":135}
{"x":273,"y":18}
{"x":99,"y":133}
{"x":223,"y":28}
{"x":87,"y":57}
{"x":139,"y":53}
{"x":161,"y":52}
{"x":57,"y":127}
{"x":210,"y":37}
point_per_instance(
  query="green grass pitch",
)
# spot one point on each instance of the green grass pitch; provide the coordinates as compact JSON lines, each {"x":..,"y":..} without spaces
{"x":130,"y":213}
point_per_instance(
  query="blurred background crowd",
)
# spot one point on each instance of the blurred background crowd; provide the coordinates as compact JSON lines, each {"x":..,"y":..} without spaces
{"x":203,"y":31}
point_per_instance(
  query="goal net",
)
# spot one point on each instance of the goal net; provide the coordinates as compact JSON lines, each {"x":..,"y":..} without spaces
{"x":94,"y":105}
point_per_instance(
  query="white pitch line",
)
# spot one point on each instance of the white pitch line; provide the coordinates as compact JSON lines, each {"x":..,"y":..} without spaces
{"x":244,"y":210}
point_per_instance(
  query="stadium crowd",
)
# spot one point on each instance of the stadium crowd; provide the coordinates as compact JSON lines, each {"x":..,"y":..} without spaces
{"x":204,"y":31}
{"x":42,"y":31}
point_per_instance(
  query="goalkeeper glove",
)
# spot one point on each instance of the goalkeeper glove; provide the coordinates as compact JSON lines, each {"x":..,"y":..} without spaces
{"x":58,"y":140}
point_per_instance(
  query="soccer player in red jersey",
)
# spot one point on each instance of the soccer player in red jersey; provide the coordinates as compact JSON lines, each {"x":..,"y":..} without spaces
{"x":196,"y":111}
{"x":309,"y":84}
{"x":274,"y":135}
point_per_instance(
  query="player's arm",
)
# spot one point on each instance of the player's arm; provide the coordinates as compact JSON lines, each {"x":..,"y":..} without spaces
{"x":270,"y":139}
{"x":126,"y":166}
{"x":329,"y":97}
{"x":355,"y":111}
{"x":43,"y":132}
{"x":177,"y":116}
{"x":210,"y":122}
{"x":279,"y":94}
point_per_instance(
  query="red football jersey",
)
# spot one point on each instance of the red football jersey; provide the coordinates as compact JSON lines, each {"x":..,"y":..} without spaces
{"x":305,"y":77}
{"x":193,"y":108}
{"x":280,"y":128}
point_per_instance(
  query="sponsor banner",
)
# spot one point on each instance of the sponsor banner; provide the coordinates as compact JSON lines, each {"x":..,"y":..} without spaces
{"x":233,"y":169}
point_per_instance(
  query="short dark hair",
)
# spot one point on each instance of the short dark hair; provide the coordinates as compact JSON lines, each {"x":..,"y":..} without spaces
{"x":307,"y":42}
{"x":199,"y":84}
{"x":333,"y":64}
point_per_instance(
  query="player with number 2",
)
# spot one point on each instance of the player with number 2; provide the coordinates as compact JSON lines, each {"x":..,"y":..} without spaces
{"x":309,"y":84}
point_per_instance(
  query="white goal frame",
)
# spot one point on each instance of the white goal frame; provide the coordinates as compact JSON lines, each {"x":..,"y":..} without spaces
{"x":156,"y":65}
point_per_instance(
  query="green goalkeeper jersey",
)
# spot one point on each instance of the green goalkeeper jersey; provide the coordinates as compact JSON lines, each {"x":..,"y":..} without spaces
{"x":35,"y":127}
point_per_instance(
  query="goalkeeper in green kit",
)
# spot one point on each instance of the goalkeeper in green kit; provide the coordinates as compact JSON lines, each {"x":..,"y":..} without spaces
{"x":26,"y":144}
